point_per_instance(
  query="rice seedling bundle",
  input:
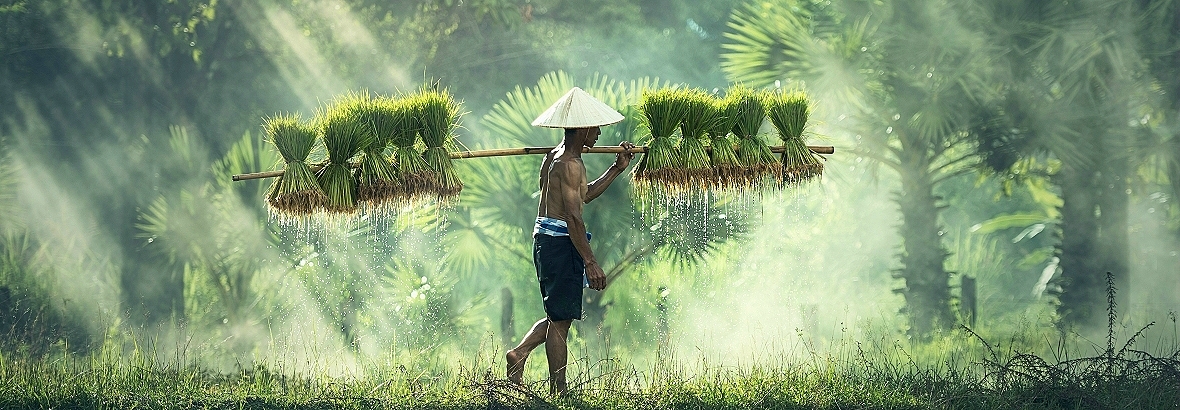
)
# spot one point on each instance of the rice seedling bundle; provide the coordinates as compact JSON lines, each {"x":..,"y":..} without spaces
{"x":416,"y":177}
{"x":662,"y":114}
{"x":344,"y":134}
{"x":296,"y":193}
{"x":747,"y":108}
{"x":439,"y":115}
{"x":697,"y":172}
{"x":378,"y":185}
{"x":789,"y":112}
{"x":727,"y":170}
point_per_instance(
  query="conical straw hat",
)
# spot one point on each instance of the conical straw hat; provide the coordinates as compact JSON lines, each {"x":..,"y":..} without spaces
{"x":577,"y":109}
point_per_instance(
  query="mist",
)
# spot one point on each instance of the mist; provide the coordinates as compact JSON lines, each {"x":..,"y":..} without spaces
{"x":121,"y":231}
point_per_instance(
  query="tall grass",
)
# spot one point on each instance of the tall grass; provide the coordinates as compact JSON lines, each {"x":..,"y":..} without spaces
{"x":961,"y":371}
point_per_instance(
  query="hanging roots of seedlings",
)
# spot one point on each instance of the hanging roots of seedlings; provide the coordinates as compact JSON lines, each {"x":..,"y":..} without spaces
{"x":344,"y":136}
{"x":800,"y":164}
{"x":746,"y":107}
{"x":722,"y":156}
{"x":296,"y":193}
{"x":698,"y":120}
{"x":789,"y":112}
{"x":658,"y":157}
{"x":378,"y":185}
{"x":658,"y":169}
{"x":439,"y":115}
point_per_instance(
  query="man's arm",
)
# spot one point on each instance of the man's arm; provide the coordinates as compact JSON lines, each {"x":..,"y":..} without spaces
{"x":544,"y":174}
{"x":599,"y":185}
{"x":573,"y":180}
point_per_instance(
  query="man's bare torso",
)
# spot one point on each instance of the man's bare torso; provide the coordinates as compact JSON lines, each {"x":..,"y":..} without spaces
{"x":561,"y":175}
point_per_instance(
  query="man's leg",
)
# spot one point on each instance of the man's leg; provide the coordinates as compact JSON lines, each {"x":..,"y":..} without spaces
{"x":555,"y":352}
{"x":518,"y":355}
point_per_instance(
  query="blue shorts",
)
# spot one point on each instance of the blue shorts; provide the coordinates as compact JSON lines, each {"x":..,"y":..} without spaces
{"x":561,"y":273}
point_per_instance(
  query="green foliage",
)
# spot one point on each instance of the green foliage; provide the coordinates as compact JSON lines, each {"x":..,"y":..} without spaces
{"x":909,"y":77}
{"x":1069,"y":99}
{"x":781,"y":40}
{"x":31,"y":321}
{"x":209,"y":240}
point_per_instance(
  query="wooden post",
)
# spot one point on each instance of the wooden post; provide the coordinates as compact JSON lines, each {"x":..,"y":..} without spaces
{"x":967,"y":300}
{"x":507,"y":319}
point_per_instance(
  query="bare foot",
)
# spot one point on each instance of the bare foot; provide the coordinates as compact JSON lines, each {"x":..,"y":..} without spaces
{"x":515,"y":366}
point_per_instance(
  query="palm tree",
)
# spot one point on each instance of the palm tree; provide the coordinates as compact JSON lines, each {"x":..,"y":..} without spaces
{"x":907,"y":75}
{"x":1158,"y":34}
{"x":501,"y":194}
{"x":1068,"y":90}
{"x":210,"y":246}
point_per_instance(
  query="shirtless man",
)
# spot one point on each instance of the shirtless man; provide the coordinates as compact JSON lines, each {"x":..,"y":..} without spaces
{"x":561,"y":246}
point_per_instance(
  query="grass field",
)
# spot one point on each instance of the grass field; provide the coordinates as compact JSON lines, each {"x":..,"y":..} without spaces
{"x":1119,"y":377}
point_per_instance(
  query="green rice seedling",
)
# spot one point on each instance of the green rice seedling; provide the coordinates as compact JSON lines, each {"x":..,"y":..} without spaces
{"x":439,"y":115}
{"x":698,"y":119}
{"x":789,"y":112}
{"x":344,"y":134}
{"x":378,"y":185}
{"x":722,"y":156}
{"x":415,"y":175}
{"x":295,"y":194}
{"x":749,"y":111}
{"x":661,"y":116}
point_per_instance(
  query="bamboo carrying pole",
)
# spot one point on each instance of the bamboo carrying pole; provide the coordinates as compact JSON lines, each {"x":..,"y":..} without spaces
{"x":503,"y":152}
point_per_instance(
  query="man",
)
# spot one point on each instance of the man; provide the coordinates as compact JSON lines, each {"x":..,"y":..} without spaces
{"x":561,"y":246}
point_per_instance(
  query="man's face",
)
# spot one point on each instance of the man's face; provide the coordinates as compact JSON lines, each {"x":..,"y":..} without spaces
{"x":590,"y":135}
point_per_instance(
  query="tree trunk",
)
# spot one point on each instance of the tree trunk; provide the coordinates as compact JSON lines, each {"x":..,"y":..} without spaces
{"x":1094,"y":241}
{"x":1081,"y":297}
{"x":968,"y":304}
{"x":927,"y":282}
{"x":1115,"y":251}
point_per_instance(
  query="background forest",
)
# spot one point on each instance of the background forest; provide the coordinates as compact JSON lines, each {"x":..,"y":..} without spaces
{"x":1026,"y":147}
